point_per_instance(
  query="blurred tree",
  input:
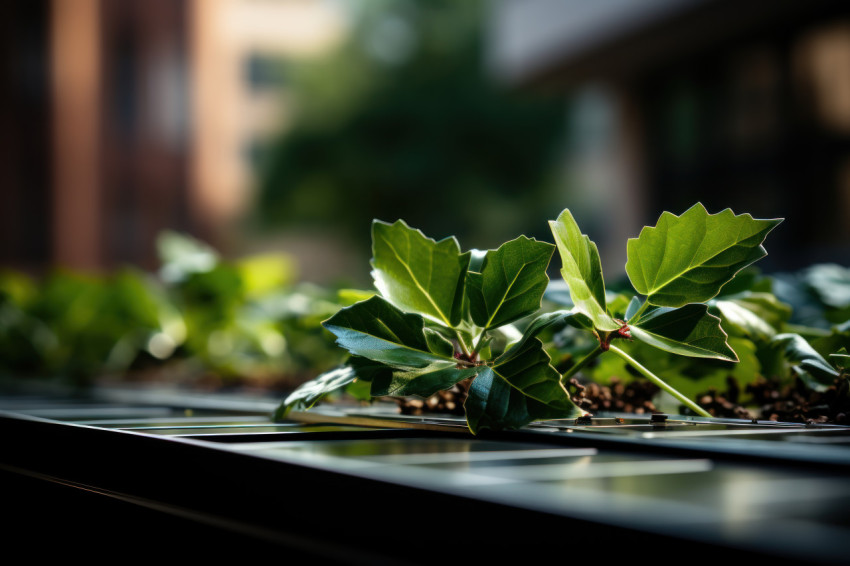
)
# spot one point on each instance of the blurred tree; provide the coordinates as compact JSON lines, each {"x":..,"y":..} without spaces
{"x":403,"y":122}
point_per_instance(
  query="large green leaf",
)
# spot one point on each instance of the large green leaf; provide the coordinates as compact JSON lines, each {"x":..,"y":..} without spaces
{"x":418,"y":274}
{"x":510,"y":283}
{"x":377,"y":330}
{"x":582,"y":270}
{"x":815,"y":371}
{"x":688,"y":258}
{"x":422,"y":382}
{"x":519,"y":388}
{"x":687,"y":331}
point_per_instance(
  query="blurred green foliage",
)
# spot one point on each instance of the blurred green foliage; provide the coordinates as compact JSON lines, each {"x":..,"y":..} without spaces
{"x":403,"y":121}
{"x":203,"y":316}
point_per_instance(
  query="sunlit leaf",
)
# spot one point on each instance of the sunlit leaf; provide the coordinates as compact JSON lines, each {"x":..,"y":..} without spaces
{"x":582,"y":270}
{"x":311,"y":392}
{"x":377,"y":330}
{"x":418,"y":274}
{"x":688,"y":258}
{"x":357,"y":369}
{"x":510,"y":283}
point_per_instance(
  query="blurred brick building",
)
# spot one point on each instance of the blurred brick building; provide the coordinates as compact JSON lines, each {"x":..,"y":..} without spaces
{"x":119,"y":119}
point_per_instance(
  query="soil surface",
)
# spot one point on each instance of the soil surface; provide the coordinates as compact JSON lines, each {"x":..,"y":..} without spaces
{"x":449,"y":401}
{"x":790,"y":403}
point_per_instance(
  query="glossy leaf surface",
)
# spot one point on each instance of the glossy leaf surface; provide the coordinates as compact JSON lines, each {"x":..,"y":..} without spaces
{"x":377,"y":330}
{"x":418,"y":274}
{"x":687,"y":331}
{"x":688,"y":258}
{"x":582,"y":270}
{"x":422,"y":382}
{"x":311,"y":392}
{"x":519,"y":388}
{"x":510,"y":284}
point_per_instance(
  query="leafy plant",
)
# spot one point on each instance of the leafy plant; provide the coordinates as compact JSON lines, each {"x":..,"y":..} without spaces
{"x":677,"y":265}
{"x":442,"y":317}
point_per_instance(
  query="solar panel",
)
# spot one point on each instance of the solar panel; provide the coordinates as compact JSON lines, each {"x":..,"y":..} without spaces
{"x":360,"y":484}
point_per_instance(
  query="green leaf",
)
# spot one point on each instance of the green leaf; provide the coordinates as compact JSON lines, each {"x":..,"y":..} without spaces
{"x":422,"y":382}
{"x":633,"y":308}
{"x":417,"y":274}
{"x":687,"y":331}
{"x":526,"y":366}
{"x":438,"y":343}
{"x":758,"y":315}
{"x":311,"y":392}
{"x":688,"y":258}
{"x":510,"y":284}
{"x":377,"y":330}
{"x":519,"y":388}
{"x":815,"y":371}
{"x":582,"y":270}
{"x":308,"y":394}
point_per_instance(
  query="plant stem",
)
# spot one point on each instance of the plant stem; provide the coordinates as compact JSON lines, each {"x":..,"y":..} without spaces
{"x":477,"y":345}
{"x":659,"y":382}
{"x":461,"y":343}
{"x":580,"y":364}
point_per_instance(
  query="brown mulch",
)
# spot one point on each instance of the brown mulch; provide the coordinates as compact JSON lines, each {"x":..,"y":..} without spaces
{"x":789,"y":403}
{"x":449,"y":401}
{"x":796,"y":403}
{"x":633,"y":397}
